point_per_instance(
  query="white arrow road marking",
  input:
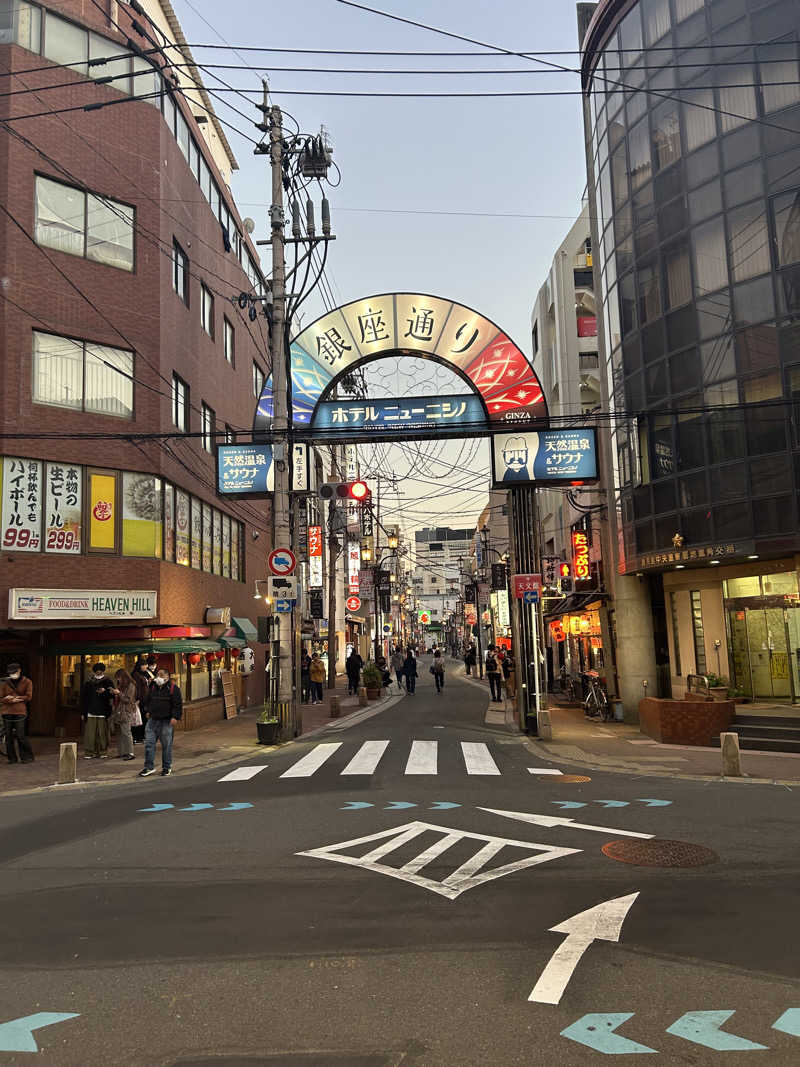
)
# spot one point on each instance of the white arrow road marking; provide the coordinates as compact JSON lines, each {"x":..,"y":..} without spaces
{"x":602,"y":922}
{"x":311,"y":762}
{"x":478,"y":758}
{"x":554,"y":820}
{"x":543,"y":770}
{"x":367,"y":758}
{"x":423,"y":757}
{"x":243,"y":774}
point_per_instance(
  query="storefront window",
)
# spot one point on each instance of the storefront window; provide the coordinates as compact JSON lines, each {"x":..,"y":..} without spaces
{"x":747,"y":586}
{"x":70,"y":680}
{"x":199,"y":679}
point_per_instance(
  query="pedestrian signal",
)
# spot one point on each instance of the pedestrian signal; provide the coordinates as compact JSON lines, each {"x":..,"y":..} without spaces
{"x":564,"y":570}
{"x":344,"y":491}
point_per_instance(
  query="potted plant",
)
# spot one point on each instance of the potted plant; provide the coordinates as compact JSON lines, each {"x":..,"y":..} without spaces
{"x":267,"y":726}
{"x":372,"y":680}
{"x":717,"y":687}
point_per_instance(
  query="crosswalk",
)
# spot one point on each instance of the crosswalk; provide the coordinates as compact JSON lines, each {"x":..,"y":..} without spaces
{"x":421,"y":758}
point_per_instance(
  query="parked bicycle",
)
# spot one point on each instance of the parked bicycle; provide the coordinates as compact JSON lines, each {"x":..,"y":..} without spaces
{"x":569,"y":685}
{"x":596,"y":705}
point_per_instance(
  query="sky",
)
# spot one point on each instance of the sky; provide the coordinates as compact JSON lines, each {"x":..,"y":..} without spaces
{"x":466,"y":198}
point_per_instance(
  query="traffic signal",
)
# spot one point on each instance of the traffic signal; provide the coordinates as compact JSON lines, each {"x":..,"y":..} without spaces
{"x":344,"y":491}
{"x":565,"y":574}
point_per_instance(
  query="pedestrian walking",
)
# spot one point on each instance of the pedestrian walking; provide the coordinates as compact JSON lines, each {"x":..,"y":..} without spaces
{"x":410,"y":672}
{"x":317,"y":674}
{"x":142,"y":677}
{"x":510,"y":674}
{"x":396,"y":662}
{"x":352,"y":666}
{"x":16,"y":693}
{"x":164,"y":712}
{"x":437,"y":670}
{"x":126,"y":713}
{"x":97,"y":704}
{"x":493,"y":673}
{"x":470,"y":658}
{"x":305,"y":677}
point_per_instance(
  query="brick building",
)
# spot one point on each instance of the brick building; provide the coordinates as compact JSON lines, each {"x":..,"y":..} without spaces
{"x":123,"y":257}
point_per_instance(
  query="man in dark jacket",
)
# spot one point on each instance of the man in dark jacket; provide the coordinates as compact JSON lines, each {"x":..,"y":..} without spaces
{"x":353,"y":665}
{"x":164,"y":710}
{"x":142,"y":677}
{"x":97,"y":703}
{"x":16,"y":693}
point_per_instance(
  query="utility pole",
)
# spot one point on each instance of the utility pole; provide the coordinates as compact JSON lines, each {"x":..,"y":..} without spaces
{"x":333,"y":556}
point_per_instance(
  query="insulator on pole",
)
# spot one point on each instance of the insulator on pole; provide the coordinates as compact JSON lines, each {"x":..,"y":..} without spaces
{"x":295,"y":219}
{"x":326,"y":216}
{"x":310,"y":228}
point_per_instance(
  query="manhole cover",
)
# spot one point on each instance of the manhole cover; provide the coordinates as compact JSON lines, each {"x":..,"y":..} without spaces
{"x":567,"y":778}
{"x":657,"y":853}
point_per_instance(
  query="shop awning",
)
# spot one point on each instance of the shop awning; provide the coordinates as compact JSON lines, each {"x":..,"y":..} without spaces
{"x":91,"y":648}
{"x":246,"y":630}
{"x":570,"y":605}
{"x":232,"y":640}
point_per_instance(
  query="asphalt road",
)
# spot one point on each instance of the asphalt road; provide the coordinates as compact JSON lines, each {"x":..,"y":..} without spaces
{"x":373,"y":911}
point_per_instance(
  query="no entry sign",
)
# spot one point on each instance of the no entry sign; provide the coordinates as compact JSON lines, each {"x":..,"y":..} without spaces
{"x":282,"y":561}
{"x":353,"y":603}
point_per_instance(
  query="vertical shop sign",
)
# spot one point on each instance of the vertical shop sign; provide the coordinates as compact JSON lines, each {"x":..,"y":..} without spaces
{"x":353,"y":567}
{"x":351,"y":462}
{"x":103,"y":516}
{"x":315,"y":557}
{"x":207,"y":538}
{"x":197,"y":532}
{"x":302,"y":527}
{"x":216,"y":544}
{"x":182,"y":520}
{"x":63,"y":508}
{"x":141,"y":515}
{"x":580,"y":555}
{"x":22,"y":504}
{"x":169,"y":522}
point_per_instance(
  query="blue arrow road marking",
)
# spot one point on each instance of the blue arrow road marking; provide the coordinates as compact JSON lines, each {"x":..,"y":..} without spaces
{"x":238,"y":805}
{"x":17,"y":1034}
{"x":440,"y":805}
{"x":568,"y":803}
{"x":354,"y":805}
{"x":703,"y":1028}
{"x":395,"y":805}
{"x":613,"y":803}
{"x":654,"y":803}
{"x":196,"y":807}
{"x":597,"y":1032}
{"x":158,"y":807}
{"x":789,"y":1022}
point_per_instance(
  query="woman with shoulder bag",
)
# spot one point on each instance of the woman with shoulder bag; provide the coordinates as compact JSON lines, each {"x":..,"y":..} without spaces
{"x":437,"y":670}
{"x":126,"y":712}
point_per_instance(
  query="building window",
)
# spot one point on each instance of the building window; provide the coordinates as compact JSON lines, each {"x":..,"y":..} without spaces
{"x":588,"y":360}
{"x":180,"y":403}
{"x":228,"y":341}
{"x":83,"y":224}
{"x":230,"y":435}
{"x":207,"y":310}
{"x":207,"y":427}
{"x":676,"y":646}
{"x":535,"y":338}
{"x":82,"y":376}
{"x":180,"y":272}
{"x":258,"y":380}
{"x":699,"y":634}
{"x":21,"y":23}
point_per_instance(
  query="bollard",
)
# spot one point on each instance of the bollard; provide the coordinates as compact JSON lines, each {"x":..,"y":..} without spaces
{"x":362,"y":696}
{"x":68,"y":763}
{"x":731,"y":757}
{"x":544,"y":727}
{"x":336,"y":707}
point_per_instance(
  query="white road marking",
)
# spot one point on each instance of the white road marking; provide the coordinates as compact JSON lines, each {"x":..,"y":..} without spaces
{"x":468,"y":875}
{"x":478,"y":759}
{"x":311,"y":762}
{"x":543,"y":770}
{"x":423,"y":758}
{"x":637,"y":741}
{"x":602,"y":922}
{"x":243,"y":774}
{"x":554,"y":820}
{"x":367,"y":758}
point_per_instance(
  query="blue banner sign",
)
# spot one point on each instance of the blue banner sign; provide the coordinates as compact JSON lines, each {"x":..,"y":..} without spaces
{"x":458,"y":412}
{"x":244,"y":469}
{"x":545,"y":457}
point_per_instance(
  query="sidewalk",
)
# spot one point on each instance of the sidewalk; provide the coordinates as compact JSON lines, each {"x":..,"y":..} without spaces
{"x":617,"y":746}
{"x":220,"y":742}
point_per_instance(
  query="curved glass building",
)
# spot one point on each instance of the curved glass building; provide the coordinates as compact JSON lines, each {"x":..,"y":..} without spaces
{"x":693,"y":143}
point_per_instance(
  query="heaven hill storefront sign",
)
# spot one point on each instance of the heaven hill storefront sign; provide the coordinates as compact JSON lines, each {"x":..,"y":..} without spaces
{"x":82,"y":603}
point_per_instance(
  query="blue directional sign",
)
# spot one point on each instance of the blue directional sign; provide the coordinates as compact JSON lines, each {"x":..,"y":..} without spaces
{"x":244,"y":469}
{"x":283,"y":606}
{"x":531,"y":596}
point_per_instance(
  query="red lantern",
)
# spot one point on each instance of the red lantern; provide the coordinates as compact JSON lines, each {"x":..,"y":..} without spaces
{"x":234,"y":652}
{"x":210,"y":657}
{"x":219,"y":656}
{"x":195,"y":658}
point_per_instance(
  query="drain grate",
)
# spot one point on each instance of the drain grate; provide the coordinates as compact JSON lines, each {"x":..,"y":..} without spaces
{"x":565,"y":779}
{"x":659,"y":853}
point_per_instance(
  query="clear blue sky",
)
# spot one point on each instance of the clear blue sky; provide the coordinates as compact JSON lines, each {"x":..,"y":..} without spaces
{"x":481,"y":157}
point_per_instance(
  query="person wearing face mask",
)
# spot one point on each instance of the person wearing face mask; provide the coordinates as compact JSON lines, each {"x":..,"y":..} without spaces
{"x":97,"y":704}
{"x":164,"y":710}
{"x":16,"y":692}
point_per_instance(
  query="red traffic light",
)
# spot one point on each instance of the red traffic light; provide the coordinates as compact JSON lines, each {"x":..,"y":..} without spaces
{"x":359,"y":490}
{"x":563,"y":570}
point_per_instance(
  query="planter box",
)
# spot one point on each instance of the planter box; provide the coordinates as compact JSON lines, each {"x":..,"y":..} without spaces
{"x":718,"y":692}
{"x":373,"y":694}
{"x":267,"y":732}
{"x":684,"y":722}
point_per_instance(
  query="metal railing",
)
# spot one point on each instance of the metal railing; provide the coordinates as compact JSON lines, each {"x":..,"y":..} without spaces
{"x":704,"y":687}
